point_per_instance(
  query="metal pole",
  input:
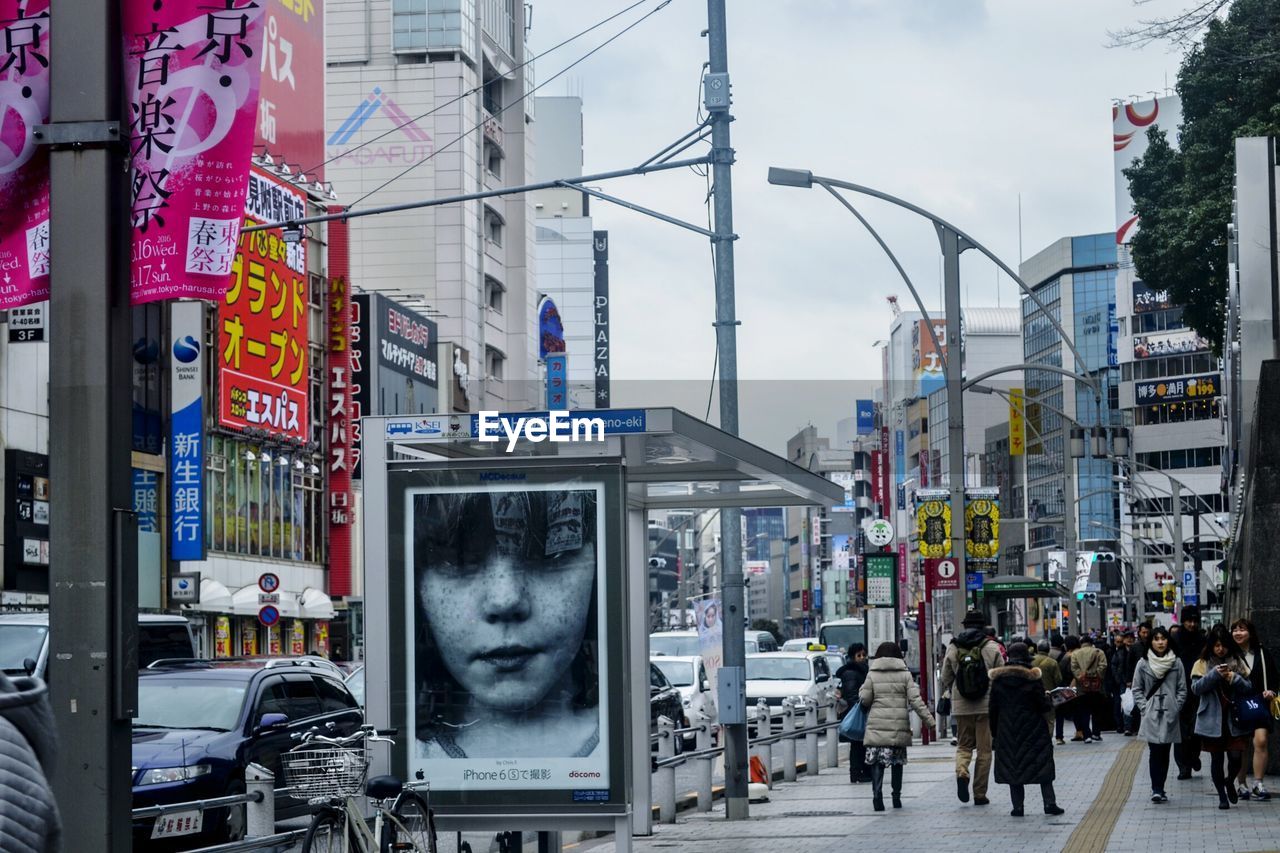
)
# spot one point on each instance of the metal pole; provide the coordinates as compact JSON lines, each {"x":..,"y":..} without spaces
{"x":1179,"y":556}
{"x":717,"y":104}
{"x":1076,"y":607}
{"x":92,"y":614}
{"x":951,"y":249}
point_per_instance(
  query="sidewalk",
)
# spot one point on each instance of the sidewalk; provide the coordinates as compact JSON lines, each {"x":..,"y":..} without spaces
{"x":1104,"y":788}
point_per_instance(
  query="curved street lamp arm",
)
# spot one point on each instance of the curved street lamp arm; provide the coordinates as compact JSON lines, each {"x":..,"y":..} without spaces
{"x":937,"y":346}
{"x":1010,"y":368}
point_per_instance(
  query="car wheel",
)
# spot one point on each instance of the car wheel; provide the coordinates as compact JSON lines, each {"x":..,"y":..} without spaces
{"x":235,"y":823}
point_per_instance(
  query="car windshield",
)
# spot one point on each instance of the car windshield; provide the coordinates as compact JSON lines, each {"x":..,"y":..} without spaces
{"x":184,"y":703}
{"x":19,"y":642}
{"x":777,"y":669}
{"x":678,"y":672}
{"x":355,"y":683}
{"x":672,"y":645}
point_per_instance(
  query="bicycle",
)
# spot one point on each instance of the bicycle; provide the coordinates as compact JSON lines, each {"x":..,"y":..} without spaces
{"x":331,"y":777}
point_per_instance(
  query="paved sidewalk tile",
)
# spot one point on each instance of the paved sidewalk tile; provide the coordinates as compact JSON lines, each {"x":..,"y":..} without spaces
{"x":823,"y":814}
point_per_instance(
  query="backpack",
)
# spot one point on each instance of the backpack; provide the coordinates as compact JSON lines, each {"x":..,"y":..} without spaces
{"x":971,"y":673}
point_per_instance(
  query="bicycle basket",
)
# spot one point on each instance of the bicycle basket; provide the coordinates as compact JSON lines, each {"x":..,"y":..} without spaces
{"x":325,"y":771}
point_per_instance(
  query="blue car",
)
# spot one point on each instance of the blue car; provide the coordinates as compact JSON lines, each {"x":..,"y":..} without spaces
{"x":200,"y":723}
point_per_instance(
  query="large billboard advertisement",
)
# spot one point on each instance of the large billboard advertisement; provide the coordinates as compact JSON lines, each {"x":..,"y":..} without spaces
{"x":1130,"y":125}
{"x":262,"y":321}
{"x":1159,"y":345}
{"x":1145,"y":299}
{"x":927,"y":359}
{"x":507,"y":613}
{"x":291,"y":100}
{"x":1177,"y":390}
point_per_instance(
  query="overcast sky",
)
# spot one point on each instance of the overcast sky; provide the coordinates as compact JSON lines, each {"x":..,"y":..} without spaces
{"x":956,"y":105}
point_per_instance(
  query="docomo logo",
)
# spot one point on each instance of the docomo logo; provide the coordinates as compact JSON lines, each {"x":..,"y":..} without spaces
{"x":556,"y":426}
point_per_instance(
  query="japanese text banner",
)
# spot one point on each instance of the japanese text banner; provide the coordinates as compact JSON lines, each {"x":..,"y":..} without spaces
{"x":192,"y":73}
{"x":24,"y":165}
{"x":262,"y":326}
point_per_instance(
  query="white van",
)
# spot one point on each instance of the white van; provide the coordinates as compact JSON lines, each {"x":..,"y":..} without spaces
{"x":24,"y":641}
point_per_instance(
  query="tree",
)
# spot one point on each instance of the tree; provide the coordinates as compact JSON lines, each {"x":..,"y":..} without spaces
{"x":1230,"y":86}
{"x":770,"y":625}
{"x":1180,"y":29}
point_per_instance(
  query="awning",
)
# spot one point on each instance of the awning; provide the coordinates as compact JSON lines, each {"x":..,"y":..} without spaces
{"x":213,"y":597}
{"x":316,"y":604}
{"x":245,"y":602}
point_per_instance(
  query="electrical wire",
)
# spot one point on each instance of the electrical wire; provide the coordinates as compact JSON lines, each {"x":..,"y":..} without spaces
{"x":479,"y":88}
{"x":518,"y":100}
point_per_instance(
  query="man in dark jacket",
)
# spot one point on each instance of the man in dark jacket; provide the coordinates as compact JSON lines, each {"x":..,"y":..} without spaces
{"x":1124,"y":661}
{"x":1187,"y":645}
{"x":851,"y":676}
{"x":1018,"y":707}
{"x":28,"y":814}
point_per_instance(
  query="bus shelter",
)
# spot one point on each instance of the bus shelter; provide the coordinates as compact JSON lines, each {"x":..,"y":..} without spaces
{"x":999,"y":591}
{"x":450,"y":517}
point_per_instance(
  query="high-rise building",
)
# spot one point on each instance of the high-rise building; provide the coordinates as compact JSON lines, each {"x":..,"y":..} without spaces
{"x":427,"y":99}
{"x":1169,"y":390}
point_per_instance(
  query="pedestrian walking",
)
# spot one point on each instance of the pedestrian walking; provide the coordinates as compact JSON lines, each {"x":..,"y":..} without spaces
{"x":1088,"y":667}
{"x":1143,"y":643}
{"x":1050,"y":675}
{"x":1159,"y":692}
{"x":29,"y":820}
{"x":1218,"y":677}
{"x":1264,"y":680}
{"x":851,"y":677}
{"x":965,"y":674}
{"x":1019,"y":709}
{"x":890,"y":694}
{"x":1124,"y":662}
{"x":1188,"y":642}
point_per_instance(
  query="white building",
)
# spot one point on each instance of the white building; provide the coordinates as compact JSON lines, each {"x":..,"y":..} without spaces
{"x":426,"y":99}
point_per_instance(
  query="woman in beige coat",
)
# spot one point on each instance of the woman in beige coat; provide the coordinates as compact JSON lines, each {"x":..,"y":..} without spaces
{"x":889,"y":694}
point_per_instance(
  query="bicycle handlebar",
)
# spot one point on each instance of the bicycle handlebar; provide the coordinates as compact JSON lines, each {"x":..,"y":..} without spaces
{"x":366,"y":733}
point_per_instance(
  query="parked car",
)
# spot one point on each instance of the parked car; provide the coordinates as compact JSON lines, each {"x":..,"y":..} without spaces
{"x":798,"y":644}
{"x":664,"y":701}
{"x":688,"y":674}
{"x":201,"y":722}
{"x":781,"y":675}
{"x":24,"y":641}
{"x":355,"y":683}
{"x":763,"y":640}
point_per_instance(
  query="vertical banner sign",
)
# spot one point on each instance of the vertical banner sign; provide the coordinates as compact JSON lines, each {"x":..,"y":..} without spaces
{"x":186,"y":431}
{"x":340,"y":436}
{"x":866,"y":412}
{"x":710,"y":637}
{"x":361,"y":364}
{"x":262,"y":322}
{"x":1017,"y":423}
{"x":982,"y":528}
{"x":291,"y":62}
{"x":557,"y":382}
{"x":933,"y":523}
{"x":600,"y":254}
{"x":24,"y":165}
{"x":191,"y":73}
{"x":880,"y":480}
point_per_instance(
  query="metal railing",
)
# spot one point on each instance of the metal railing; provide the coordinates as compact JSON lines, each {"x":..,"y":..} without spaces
{"x":792,"y":721}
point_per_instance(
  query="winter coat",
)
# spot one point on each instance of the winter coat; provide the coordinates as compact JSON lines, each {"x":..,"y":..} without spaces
{"x":28,"y":814}
{"x":968,"y":639}
{"x":1208,"y":685}
{"x":1160,"y":712}
{"x":851,"y":676}
{"x":1088,"y":660}
{"x":1262,"y":675}
{"x":888,"y":693}
{"x":1188,"y":645}
{"x":1050,"y":674}
{"x":1019,"y":736}
{"x":1124,"y":662}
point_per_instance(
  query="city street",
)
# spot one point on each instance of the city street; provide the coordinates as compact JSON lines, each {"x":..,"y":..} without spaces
{"x":1103,"y":787}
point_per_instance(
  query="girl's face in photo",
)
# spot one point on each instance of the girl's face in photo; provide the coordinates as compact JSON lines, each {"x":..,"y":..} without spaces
{"x":509,"y":620}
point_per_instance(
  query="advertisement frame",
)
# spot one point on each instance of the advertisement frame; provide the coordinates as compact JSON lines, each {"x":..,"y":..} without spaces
{"x":477,"y":477}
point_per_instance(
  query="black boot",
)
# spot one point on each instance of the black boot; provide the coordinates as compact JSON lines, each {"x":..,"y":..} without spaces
{"x":895,"y":779}
{"x":877,"y":786}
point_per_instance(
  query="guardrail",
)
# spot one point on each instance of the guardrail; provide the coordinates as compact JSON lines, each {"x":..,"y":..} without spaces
{"x":793,"y":721}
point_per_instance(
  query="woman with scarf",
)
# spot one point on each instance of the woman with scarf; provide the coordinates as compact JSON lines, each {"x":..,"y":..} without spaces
{"x":1219,"y":676}
{"x":1159,"y":691}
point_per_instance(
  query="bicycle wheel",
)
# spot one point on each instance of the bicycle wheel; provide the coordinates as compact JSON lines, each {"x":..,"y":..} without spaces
{"x":410,"y":826}
{"x":327,"y":833}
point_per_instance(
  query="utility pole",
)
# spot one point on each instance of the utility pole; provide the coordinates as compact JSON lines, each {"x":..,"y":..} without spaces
{"x":952,"y":246}
{"x":716,"y":101}
{"x":93,"y":563}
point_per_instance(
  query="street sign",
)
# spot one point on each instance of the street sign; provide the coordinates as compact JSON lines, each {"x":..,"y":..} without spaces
{"x":972,"y":581}
{"x":944,"y":574}
{"x":1191,"y":599}
{"x":268,"y":582}
{"x":268,"y":598}
{"x":184,"y":587}
{"x":882,"y":579}
{"x":269,"y":615}
{"x":879,"y":532}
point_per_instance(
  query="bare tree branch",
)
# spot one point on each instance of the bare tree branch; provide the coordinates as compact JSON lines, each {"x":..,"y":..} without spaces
{"x":1181,"y":30}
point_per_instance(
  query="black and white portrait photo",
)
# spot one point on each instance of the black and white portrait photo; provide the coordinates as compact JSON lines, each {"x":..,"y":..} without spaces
{"x":506,"y":637}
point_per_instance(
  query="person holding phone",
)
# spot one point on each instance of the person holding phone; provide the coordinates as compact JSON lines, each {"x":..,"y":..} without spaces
{"x":1219,"y":676}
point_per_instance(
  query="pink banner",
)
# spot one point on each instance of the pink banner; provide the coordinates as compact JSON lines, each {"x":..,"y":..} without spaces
{"x":24,"y":165}
{"x":192,"y":72}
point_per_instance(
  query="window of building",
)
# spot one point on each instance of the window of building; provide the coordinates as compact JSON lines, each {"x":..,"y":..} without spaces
{"x":1173,"y":413}
{"x":494,"y":293}
{"x":493,"y":226}
{"x":1177,"y":365}
{"x":493,"y":159}
{"x":1188,"y":457}
{"x":493,"y":95}
{"x":494,"y":363}
{"x":422,"y":25}
{"x":1158,"y":321}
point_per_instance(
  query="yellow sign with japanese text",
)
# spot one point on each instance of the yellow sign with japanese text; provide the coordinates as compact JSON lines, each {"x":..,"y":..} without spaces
{"x":1017,"y":423}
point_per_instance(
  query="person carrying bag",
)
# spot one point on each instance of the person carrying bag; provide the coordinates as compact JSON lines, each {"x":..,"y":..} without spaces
{"x":1159,"y":692}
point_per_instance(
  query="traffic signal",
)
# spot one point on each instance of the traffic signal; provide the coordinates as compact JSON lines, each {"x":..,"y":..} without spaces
{"x":1091,"y":599}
